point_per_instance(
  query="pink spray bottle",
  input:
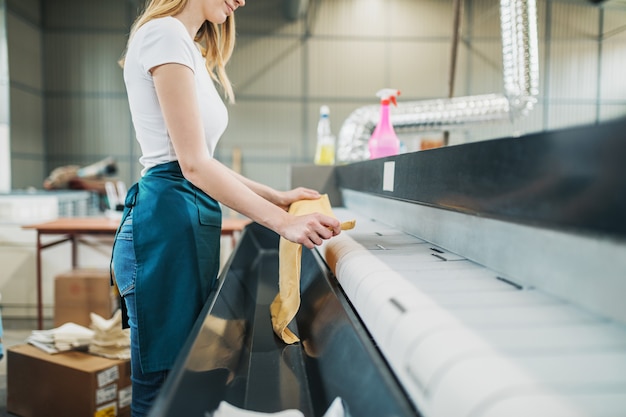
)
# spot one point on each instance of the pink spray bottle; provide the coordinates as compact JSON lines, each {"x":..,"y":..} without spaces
{"x":384,"y":141}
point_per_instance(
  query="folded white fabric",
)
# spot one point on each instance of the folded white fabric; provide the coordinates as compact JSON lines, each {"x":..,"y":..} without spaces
{"x":336,"y":409}
{"x":65,"y":337}
{"x":228,"y":410}
{"x":110,"y":340}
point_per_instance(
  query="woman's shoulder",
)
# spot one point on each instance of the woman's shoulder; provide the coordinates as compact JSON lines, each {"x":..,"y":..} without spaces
{"x":162,"y":40}
{"x":162,"y":25}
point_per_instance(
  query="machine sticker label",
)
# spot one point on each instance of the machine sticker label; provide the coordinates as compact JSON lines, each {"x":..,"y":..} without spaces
{"x":389,"y":173}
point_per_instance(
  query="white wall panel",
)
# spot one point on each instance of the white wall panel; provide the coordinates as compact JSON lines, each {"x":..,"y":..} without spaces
{"x":565,"y":115}
{"x":352,"y":18}
{"x":270,"y":131}
{"x":265,"y":18}
{"x":27,"y":171}
{"x":486,"y":68}
{"x":28,"y":8}
{"x":266,"y":171}
{"x":608,"y":112}
{"x":84,"y":62}
{"x":613,"y":75}
{"x":87,"y":126}
{"x":270,"y":67}
{"x":25,"y":52}
{"x":482,"y":19}
{"x":571,"y":21}
{"x":424,"y":18}
{"x":347,"y":68}
{"x":574,"y":70}
{"x":27,"y":126}
{"x":412,"y":63}
{"x":613,"y":22}
{"x":86,"y":14}
{"x":28,"y":148}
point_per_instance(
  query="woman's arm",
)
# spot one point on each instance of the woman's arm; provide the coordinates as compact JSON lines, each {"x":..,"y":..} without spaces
{"x":281,"y":198}
{"x":175,"y":88}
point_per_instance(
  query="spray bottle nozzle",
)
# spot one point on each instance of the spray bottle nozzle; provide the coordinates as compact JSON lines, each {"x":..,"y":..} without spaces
{"x":388,"y":95}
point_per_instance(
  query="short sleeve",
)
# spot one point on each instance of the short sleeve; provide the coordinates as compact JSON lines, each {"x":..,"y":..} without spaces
{"x":165,"y":41}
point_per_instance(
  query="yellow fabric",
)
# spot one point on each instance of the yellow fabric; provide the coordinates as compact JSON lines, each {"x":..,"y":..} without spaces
{"x":287,"y":302}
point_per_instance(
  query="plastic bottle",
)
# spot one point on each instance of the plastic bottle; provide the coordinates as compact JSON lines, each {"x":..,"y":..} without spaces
{"x":325,"y":150}
{"x":384,"y":141}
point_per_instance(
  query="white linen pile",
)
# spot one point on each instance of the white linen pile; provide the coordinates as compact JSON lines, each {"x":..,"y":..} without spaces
{"x":225,"y":409}
{"x":69,"y":336}
{"x":109,"y":340}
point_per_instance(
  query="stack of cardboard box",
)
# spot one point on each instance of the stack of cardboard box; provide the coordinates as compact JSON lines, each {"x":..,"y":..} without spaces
{"x":66,"y":384}
{"x":71,"y":383}
{"x":80,"y":292}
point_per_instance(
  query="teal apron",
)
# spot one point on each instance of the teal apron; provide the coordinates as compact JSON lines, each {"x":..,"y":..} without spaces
{"x":176,"y":235}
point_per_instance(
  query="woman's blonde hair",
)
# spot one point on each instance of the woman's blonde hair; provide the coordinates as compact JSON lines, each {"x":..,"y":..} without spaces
{"x":216,"y":41}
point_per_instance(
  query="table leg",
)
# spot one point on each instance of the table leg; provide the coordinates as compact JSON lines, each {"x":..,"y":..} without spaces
{"x":74,"y":251}
{"x":39,"y":285}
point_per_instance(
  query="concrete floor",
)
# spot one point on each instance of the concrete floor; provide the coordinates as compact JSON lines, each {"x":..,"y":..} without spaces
{"x":15,"y":333}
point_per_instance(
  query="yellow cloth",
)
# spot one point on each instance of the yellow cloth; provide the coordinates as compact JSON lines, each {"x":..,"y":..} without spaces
{"x":287,"y":302}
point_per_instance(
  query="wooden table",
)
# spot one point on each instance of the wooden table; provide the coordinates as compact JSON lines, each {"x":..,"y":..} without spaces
{"x":72,"y":228}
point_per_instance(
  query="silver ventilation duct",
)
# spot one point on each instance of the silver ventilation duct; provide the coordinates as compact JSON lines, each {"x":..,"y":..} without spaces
{"x":520,"y":63}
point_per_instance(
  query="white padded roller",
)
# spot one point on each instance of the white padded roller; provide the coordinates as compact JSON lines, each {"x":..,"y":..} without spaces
{"x":465,"y":342}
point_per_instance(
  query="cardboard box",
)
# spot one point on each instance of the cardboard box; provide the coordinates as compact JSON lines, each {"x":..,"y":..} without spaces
{"x":80,"y":292}
{"x":72,"y":383}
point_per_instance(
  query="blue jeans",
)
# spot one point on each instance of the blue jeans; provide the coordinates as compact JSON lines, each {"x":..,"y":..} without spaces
{"x":145,"y":387}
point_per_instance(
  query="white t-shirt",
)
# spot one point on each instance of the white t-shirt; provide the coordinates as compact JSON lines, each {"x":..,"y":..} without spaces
{"x":161,"y":41}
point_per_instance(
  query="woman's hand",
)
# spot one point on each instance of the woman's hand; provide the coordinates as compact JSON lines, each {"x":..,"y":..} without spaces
{"x":285,"y":198}
{"x":310,"y":230}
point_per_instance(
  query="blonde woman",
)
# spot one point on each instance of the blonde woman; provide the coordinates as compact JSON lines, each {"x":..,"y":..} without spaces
{"x":166,"y":253}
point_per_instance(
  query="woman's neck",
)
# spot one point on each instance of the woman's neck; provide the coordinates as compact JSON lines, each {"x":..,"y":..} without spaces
{"x":190,"y":19}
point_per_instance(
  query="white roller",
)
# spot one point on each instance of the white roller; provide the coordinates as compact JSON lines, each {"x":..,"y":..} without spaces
{"x":463,"y":342}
